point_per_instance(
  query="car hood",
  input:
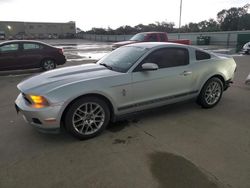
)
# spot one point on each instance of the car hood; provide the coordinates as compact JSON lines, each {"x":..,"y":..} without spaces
{"x":51,"y":80}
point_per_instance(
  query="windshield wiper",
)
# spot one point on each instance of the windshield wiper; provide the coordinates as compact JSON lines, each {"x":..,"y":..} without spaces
{"x":107,"y":66}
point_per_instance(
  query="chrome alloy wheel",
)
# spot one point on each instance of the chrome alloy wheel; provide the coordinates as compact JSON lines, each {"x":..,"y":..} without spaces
{"x":88,"y":118}
{"x":213,"y":93}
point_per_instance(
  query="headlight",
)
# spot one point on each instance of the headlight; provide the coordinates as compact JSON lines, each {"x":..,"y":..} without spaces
{"x":38,"y":101}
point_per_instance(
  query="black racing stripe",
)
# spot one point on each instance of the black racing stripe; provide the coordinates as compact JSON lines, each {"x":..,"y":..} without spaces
{"x":157,"y":100}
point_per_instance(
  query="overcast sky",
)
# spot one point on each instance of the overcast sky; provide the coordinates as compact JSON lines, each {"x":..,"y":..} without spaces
{"x":113,"y":13}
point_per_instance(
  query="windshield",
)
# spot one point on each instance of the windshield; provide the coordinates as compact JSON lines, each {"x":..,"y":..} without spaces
{"x":138,"y":37}
{"x":123,"y":58}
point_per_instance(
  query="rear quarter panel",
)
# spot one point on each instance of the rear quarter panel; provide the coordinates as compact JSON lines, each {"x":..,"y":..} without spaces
{"x":53,"y":53}
{"x":205,"y":69}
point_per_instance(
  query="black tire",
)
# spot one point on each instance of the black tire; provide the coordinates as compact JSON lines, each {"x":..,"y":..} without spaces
{"x":205,"y":98}
{"x":48,"y":64}
{"x":80,"y":108}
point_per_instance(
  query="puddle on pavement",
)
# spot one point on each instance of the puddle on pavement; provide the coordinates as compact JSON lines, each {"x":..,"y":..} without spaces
{"x":79,"y":56}
{"x":93,"y":55}
{"x":87,"y":46}
{"x":127,"y":140}
{"x":118,"y":126}
{"x":177,"y":172}
{"x":86,"y":51}
{"x":119,"y":141}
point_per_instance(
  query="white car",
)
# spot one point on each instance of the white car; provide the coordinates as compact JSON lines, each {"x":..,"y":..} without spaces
{"x":248,"y":80}
{"x":246,"y":48}
{"x":132,"y":78}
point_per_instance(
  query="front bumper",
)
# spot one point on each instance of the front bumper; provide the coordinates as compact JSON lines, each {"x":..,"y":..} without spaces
{"x":43,"y":119}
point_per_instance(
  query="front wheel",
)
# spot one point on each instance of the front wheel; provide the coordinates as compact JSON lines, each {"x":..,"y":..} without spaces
{"x":48,"y":64}
{"x":87,"y":117}
{"x":211,"y":93}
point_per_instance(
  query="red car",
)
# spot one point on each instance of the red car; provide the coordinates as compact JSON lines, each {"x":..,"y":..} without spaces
{"x":149,"y":37}
{"x":25,"y":54}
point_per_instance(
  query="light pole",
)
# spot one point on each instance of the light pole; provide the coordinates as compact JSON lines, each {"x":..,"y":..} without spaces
{"x":180,"y":19}
{"x":9,"y":27}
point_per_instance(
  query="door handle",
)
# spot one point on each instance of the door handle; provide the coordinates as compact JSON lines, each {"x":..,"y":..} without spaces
{"x":186,"y":73}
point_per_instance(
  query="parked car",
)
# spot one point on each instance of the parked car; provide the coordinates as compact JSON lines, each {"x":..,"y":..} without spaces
{"x":2,"y":35}
{"x":248,"y":80}
{"x":246,"y":48}
{"x":149,"y":37}
{"x":21,"y":36}
{"x":136,"y":77}
{"x":25,"y":54}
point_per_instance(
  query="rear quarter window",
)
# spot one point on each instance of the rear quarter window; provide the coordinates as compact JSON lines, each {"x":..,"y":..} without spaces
{"x":200,"y":55}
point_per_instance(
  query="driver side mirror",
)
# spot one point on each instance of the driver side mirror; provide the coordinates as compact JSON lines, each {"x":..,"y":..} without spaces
{"x":149,"y":66}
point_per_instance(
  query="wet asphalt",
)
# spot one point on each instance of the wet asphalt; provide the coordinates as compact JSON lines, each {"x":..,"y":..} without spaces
{"x":177,"y":146}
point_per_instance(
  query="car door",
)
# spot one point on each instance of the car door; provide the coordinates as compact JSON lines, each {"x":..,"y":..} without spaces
{"x":171,"y":82}
{"x":9,"y":56}
{"x":31,"y":54}
{"x":153,"y":37}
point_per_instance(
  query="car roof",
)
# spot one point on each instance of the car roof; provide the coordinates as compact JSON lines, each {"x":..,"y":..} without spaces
{"x":21,"y":41}
{"x":152,"y":32}
{"x":150,"y":45}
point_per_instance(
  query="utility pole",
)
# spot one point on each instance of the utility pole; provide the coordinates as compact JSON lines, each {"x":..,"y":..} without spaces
{"x":180,"y":19}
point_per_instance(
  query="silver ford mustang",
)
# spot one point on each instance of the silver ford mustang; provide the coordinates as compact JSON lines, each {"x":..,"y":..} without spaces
{"x":85,"y":98}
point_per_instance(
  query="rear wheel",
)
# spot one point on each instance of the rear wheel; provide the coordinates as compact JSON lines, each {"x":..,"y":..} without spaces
{"x":211,"y":93}
{"x":87,"y":117}
{"x":48,"y":64}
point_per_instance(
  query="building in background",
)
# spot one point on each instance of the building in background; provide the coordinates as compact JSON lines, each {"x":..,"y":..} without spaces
{"x":37,"y":30}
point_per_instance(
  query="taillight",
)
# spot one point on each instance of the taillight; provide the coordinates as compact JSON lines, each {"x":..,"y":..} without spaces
{"x":60,"y":50}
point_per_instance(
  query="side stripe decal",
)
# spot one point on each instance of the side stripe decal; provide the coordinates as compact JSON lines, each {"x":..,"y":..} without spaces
{"x":157,"y":100}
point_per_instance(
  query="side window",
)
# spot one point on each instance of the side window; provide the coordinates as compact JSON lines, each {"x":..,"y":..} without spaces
{"x":152,"y":38}
{"x":202,"y":55}
{"x":167,"y":57}
{"x":31,"y":46}
{"x":162,"y":37}
{"x":9,"y":48}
